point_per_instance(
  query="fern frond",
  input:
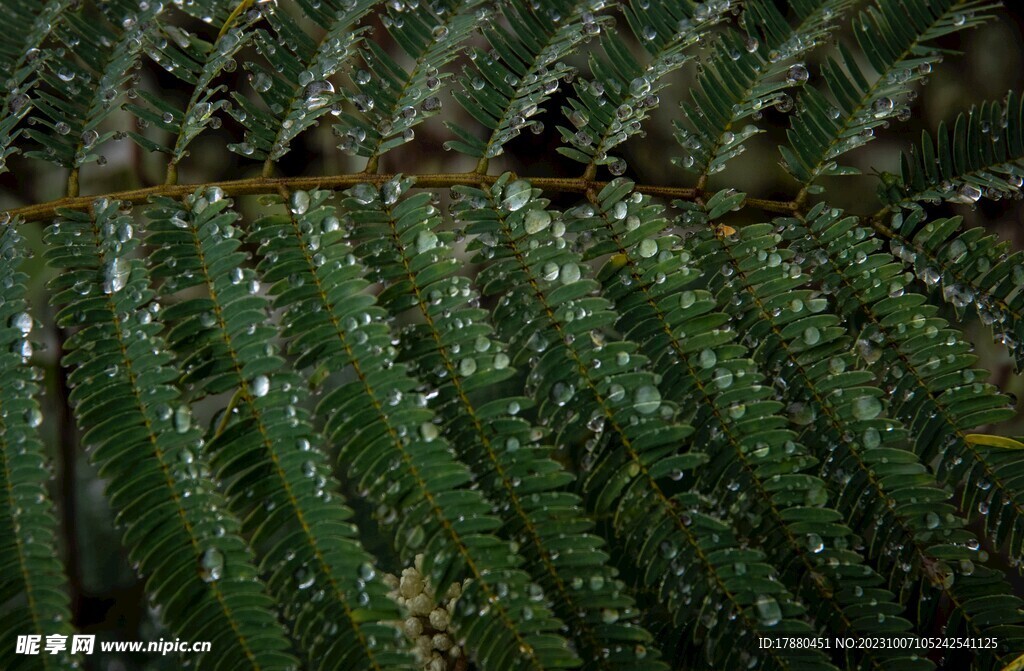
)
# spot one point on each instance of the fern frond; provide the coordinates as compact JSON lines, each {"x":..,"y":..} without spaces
{"x":747,"y":74}
{"x":391,"y":100}
{"x":747,"y":442}
{"x":507,"y":86}
{"x":841,"y":405}
{"x":296,"y":87}
{"x":265,"y":449}
{"x":389,"y":443}
{"x":80,"y":94}
{"x":932,"y":387}
{"x":983,"y":155}
{"x":547,"y":311}
{"x":196,"y":62}
{"x":33,"y":599}
{"x":937,"y":392}
{"x":142,"y":437}
{"x":612,"y":107}
{"x":460,"y":356}
{"x":897,"y":40}
{"x":972,"y":268}
{"x":30,"y":26}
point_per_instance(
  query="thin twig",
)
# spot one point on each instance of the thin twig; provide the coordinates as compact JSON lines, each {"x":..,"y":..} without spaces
{"x":264,"y":185}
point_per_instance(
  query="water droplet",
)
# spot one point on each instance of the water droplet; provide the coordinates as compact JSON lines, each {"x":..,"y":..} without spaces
{"x":211,"y":565}
{"x":647,"y":399}
{"x":33,"y":417}
{"x":425,"y":241}
{"x":23,"y":322}
{"x":260,"y":386}
{"x":797,"y":74}
{"x":182,"y":419}
{"x":299,"y":203}
{"x":867,"y":407}
{"x":517,"y":194}
{"x":562,"y":393}
{"x":707,"y":358}
{"x":536,"y":221}
{"x":116,"y":275}
{"x":814,"y":543}
{"x":768,"y":610}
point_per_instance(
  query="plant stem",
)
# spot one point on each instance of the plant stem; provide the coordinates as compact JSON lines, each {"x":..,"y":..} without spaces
{"x":264,"y":185}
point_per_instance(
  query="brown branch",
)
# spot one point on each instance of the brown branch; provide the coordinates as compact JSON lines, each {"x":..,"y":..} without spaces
{"x":264,"y":185}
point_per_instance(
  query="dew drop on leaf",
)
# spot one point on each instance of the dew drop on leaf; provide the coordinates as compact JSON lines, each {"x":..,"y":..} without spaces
{"x":260,"y":386}
{"x":299,"y":202}
{"x":182,"y":419}
{"x":647,"y":399}
{"x":536,"y":221}
{"x":867,"y":407}
{"x":517,"y":194}
{"x":211,"y":565}
{"x":768,"y":611}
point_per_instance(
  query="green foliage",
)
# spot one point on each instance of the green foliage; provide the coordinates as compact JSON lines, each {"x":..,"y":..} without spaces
{"x":643,"y":428}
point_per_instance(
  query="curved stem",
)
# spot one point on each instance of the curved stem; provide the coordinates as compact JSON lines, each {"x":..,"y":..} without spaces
{"x":263,"y":185}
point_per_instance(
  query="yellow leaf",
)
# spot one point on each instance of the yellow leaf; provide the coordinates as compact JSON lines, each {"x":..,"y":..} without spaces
{"x":995,"y":441}
{"x":242,"y":6}
{"x":1015,"y":665}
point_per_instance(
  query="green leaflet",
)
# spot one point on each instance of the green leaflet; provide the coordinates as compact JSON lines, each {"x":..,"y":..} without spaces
{"x":749,"y":72}
{"x":33,"y":584}
{"x":197,"y":565}
{"x":933,"y":390}
{"x":507,"y":86}
{"x":264,"y":447}
{"x":462,"y":360}
{"x":982,"y":155}
{"x":751,"y":452}
{"x":631,"y":466}
{"x":387,"y":444}
{"x":896,"y":38}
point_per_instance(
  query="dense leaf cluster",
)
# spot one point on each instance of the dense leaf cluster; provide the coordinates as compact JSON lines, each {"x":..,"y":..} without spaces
{"x":640,"y":432}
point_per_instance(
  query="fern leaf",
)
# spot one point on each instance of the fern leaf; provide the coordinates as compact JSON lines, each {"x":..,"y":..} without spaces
{"x":391,"y":100}
{"x":269,"y":451}
{"x":459,"y":354}
{"x":506,"y":87}
{"x":934,"y":390}
{"x":988,"y":281}
{"x":143,"y":440}
{"x":197,"y":63}
{"x":30,"y":25}
{"x":611,"y":108}
{"x":748,"y":443}
{"x":69,"y":106}
{"x":547,"y":310}
{"x":296,"y":86}
{"x":32,"y":590}
{"x":747,"y":74}
{"x":983,"y":155}
{"x":897,"y":39}
{"x":388,"y":440}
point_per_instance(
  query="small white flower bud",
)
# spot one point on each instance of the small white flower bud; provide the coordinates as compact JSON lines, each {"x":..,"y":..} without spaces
{"x":412,"y":627}
{"x":439,"y":619}
{"x":420,"y":605}
{"x":441,"y":642}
